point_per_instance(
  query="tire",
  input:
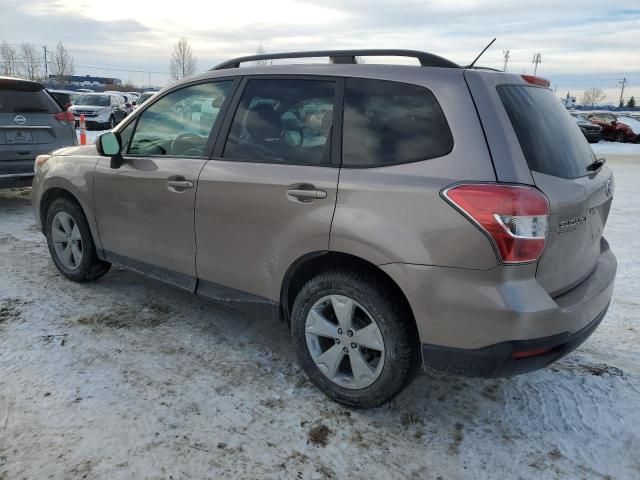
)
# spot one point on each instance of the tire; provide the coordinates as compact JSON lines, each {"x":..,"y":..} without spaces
{"x":401,"y":349}
{"x":89,"y":267}
{"x":620,"y":137}
{"x":112,"y":123}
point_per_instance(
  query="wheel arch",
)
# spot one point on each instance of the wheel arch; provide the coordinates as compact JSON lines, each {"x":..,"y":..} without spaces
{"x":311,"y":264}
{"x":57,"y":191}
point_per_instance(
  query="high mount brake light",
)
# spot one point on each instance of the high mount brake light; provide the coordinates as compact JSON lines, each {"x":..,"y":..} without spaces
{"x":515,"y":217}
{"x":536,"y":80}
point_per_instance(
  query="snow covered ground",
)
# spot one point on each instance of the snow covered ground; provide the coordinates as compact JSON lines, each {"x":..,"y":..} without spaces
{"x":128,"y":378}
{"x":617,"y":149}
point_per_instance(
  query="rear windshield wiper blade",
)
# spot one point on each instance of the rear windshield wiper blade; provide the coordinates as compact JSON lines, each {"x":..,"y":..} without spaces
{"x":596,"y":164}
{"x":30,"y":110}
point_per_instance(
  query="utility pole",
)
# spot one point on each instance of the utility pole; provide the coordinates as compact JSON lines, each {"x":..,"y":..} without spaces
{"x":622,"y":83}
{"x":506,"y":59}
{"x":537,"y":59}
{"x":46,"y":70}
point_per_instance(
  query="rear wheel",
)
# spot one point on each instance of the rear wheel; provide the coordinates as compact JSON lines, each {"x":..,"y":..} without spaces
{"x":353,"y":339}
{"x":71,"y":244}
{"x":620,"y":137}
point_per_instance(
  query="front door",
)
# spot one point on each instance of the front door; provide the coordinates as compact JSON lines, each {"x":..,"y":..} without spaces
{"x":268,"y":196}
{"x":145,"y":208}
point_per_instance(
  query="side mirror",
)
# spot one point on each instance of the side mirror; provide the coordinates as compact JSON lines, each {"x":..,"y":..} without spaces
{"x":109,"y":145}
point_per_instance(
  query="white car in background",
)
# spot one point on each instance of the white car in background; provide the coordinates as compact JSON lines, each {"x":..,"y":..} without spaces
{"x":128,"y":102}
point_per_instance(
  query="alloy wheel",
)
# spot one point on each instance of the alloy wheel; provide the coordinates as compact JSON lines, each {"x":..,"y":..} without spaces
{"x":345,"y":342}
{"x":67,"y":240}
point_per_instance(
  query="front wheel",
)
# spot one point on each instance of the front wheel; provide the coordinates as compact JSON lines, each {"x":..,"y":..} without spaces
{"x":620,"y":138}
{"x":71,"y":244}
{"x":353,"y":339}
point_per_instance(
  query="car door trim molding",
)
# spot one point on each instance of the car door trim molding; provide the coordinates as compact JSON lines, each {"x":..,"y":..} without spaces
{"x":185,"y":282}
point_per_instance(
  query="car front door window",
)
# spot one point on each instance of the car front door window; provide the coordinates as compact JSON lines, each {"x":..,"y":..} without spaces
{"x":179,"y":124}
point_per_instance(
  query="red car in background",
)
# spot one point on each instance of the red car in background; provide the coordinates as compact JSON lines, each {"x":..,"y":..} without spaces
{"x":612,"y":129}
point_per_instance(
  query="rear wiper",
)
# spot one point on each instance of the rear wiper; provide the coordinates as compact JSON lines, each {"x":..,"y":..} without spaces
{"x":30,"y":110}
{"x":596,"y":164}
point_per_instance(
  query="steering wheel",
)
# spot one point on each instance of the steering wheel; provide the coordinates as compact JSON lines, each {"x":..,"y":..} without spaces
{"x":185,"y":141}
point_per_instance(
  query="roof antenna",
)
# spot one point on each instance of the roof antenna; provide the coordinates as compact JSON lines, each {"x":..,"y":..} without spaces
{"x":483,"y":50}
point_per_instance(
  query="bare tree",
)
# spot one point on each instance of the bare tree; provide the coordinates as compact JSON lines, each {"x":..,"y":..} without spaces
{"x":9,"y":59}
{"x":30,"y":60}
{"x":183,"y":63}
{"x":261,"y":51}
{"x":593,"y":96}
{"x":62,"y":63}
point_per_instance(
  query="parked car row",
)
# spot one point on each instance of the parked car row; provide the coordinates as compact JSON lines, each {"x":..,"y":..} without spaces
{"x":613,"y":129}
{"x":607,"y":126}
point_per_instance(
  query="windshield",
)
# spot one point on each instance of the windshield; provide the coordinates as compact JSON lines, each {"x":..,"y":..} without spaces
{"x":144,"y":97}
{"x":549,"y":139}
{"x":94,"y":100}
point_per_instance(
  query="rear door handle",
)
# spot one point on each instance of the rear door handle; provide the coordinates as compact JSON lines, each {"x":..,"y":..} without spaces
{"x":305,"y":195}
{"x":178,"y":185}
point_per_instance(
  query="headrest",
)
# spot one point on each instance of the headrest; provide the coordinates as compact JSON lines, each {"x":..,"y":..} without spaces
{"x":263,"y":122}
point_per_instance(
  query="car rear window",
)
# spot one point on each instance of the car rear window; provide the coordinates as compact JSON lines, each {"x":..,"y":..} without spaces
{"x":17,"y":98}
{"x":550,"y":140}
{"x":388,"y":123}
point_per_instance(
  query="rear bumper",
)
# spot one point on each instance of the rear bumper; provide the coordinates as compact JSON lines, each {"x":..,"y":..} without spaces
{"x":465,"y":314}
{"x":16,"y":179}
{"x":508,"y":358}
{"x":16,"y":173}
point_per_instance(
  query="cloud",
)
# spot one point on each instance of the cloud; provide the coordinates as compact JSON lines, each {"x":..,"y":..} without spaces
{"x":580,"y":40}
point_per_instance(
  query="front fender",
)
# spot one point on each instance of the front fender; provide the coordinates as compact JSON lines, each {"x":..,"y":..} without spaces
{"x":71,"y":174}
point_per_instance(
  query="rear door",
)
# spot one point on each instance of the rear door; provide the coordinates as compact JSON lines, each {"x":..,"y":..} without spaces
{"x":268,"y":196}
{"x":541,"y":141}
{"x":28,"y":125}
{"x":145,"y":208}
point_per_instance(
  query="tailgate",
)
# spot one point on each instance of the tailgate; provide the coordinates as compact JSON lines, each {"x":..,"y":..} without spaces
{"x":534,"y":140}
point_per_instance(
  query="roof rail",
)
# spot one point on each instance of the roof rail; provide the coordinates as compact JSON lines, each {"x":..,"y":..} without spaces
{"x":344,"y":57}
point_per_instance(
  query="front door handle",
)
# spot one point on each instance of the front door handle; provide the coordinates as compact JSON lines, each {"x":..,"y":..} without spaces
{"x":178,"y":184}
{"x":305,"y":194}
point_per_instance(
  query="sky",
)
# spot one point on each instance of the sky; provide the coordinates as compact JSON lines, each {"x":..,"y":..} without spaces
{"x":583,"y":43}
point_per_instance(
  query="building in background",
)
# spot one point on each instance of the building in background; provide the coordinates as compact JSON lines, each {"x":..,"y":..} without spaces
{"x":86,"y":81}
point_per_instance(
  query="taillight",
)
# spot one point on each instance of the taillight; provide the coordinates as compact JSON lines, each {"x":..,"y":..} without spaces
{"x":65,"y":117}
{"x":515,"y":217}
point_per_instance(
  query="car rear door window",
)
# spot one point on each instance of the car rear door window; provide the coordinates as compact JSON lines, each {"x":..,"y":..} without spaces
{"x":179,"y":123}
{"x":283,"y":121}
{"x":388,"y":123}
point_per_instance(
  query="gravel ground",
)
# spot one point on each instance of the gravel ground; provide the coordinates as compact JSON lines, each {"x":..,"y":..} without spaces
{"x":128,"y":378}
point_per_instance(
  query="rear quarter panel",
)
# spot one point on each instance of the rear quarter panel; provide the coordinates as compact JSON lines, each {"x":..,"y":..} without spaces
{"x":396,"y":214}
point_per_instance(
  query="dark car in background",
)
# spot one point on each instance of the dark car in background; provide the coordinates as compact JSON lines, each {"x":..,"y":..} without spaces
{"x":592,"y":132}
{"x":612,"y":129}
{"x":31,"y":123}
{"x":65,"y":98}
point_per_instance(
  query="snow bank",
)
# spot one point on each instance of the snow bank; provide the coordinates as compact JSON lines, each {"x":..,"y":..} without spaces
{"x":614,"y":148}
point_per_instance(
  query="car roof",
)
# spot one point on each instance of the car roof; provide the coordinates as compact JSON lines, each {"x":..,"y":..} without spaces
{"x":6,"y":79}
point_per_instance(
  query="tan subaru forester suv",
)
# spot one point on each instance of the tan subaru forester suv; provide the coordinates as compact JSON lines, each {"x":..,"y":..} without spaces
{"x":394,"y":215}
